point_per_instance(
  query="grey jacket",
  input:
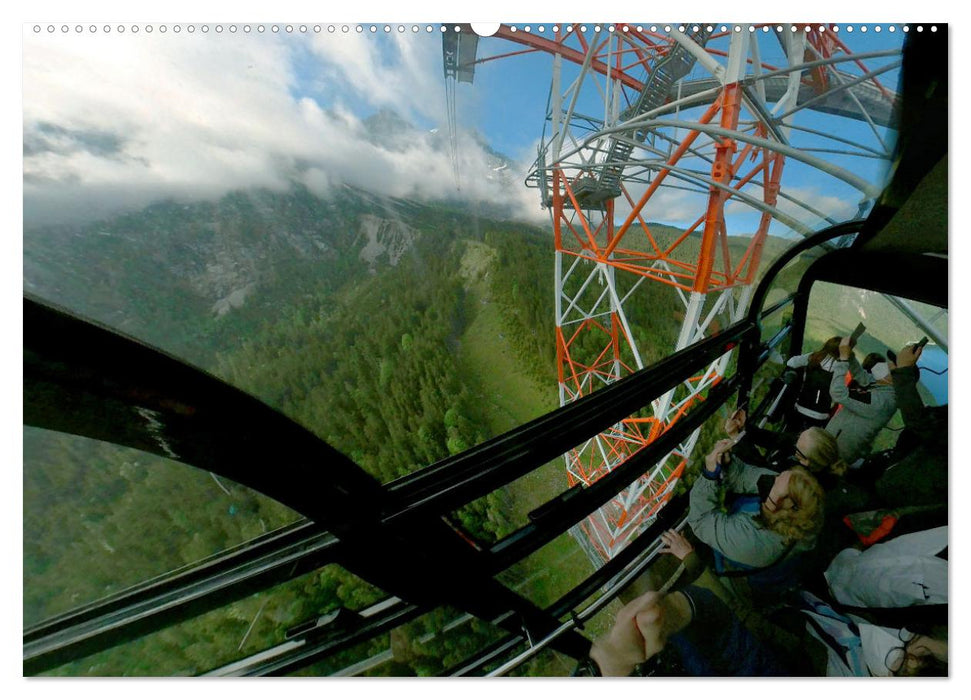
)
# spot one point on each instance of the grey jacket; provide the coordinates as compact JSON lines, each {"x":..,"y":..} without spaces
{"x":740,"y":536}
{"x":857,"y":422}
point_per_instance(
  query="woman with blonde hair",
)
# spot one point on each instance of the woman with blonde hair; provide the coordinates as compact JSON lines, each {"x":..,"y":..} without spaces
{"x":814,"y":448}
{"x":818,"y":452}
{"x":775,"y":518}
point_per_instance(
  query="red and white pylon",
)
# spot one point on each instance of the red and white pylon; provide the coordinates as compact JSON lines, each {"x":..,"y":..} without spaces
{"x":697,"y":111}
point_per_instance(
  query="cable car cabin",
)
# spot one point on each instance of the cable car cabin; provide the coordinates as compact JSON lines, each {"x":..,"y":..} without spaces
{"x":422,"y":593}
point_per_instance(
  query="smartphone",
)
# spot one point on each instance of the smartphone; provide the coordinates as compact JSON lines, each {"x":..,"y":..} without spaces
{"x":922,"y":343}
{"x":857,"y":333}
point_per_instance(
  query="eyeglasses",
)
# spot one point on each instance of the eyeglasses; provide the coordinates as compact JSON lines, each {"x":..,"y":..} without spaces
{"x":800,"y":455}
{"x":899,"y":658}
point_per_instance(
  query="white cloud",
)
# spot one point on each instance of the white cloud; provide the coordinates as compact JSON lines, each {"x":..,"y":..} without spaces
{"x":666,"y":205}
{"x":402,"y":72}
{"x":117,"y":121}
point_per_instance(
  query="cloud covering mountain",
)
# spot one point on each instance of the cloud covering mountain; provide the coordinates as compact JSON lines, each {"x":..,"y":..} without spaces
{"x":117,"y":122}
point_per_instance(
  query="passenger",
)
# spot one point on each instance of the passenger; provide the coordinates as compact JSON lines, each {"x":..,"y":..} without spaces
{"x":813,"y":406}
{"x":873,"y":358}
{"x":859,"y":418}
{"x":701,"y":631}
{"x":901,"y":572}
{"x":856,"y":647}
{"x":920,"y":477}
{"x":778,"y":515}
{"x":813,"y":448}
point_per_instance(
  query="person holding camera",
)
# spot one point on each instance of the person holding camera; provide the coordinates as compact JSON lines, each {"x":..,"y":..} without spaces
{"x":773,"y":516}
{"x":859,"y":418}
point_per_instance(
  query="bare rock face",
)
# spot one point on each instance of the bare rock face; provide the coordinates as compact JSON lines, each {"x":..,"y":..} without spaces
{"x":383,"y":237}
{"x":233,"y":300}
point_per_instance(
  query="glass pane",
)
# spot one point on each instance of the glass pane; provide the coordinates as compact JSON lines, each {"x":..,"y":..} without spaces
{"x":836,"y":309}
{"x":430,"y":645}
{"x":236,"y":631}
{"x":392,"y":286}
{"x":548,"y":573}
{"x":99,"y":518}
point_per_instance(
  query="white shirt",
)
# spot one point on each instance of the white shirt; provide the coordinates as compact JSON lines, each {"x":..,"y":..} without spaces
{"x":895,"y":574}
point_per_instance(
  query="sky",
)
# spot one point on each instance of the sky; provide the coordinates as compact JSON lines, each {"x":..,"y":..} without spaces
{"x":112,"y":120}
{"x":119,"y":118}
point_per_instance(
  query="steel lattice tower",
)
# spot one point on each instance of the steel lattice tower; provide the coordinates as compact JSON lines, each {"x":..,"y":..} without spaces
{"x":693,"y":110}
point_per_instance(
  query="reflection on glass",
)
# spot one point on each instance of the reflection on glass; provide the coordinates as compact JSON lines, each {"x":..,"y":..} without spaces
{"x":99,"y":518}
{"x":233,"y":632}
{"x":548,"y":573}
{"x":430,"y":645}
{"x":546,"y":664}
{"x":787,"y":281}
{"x":501,"y":512}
